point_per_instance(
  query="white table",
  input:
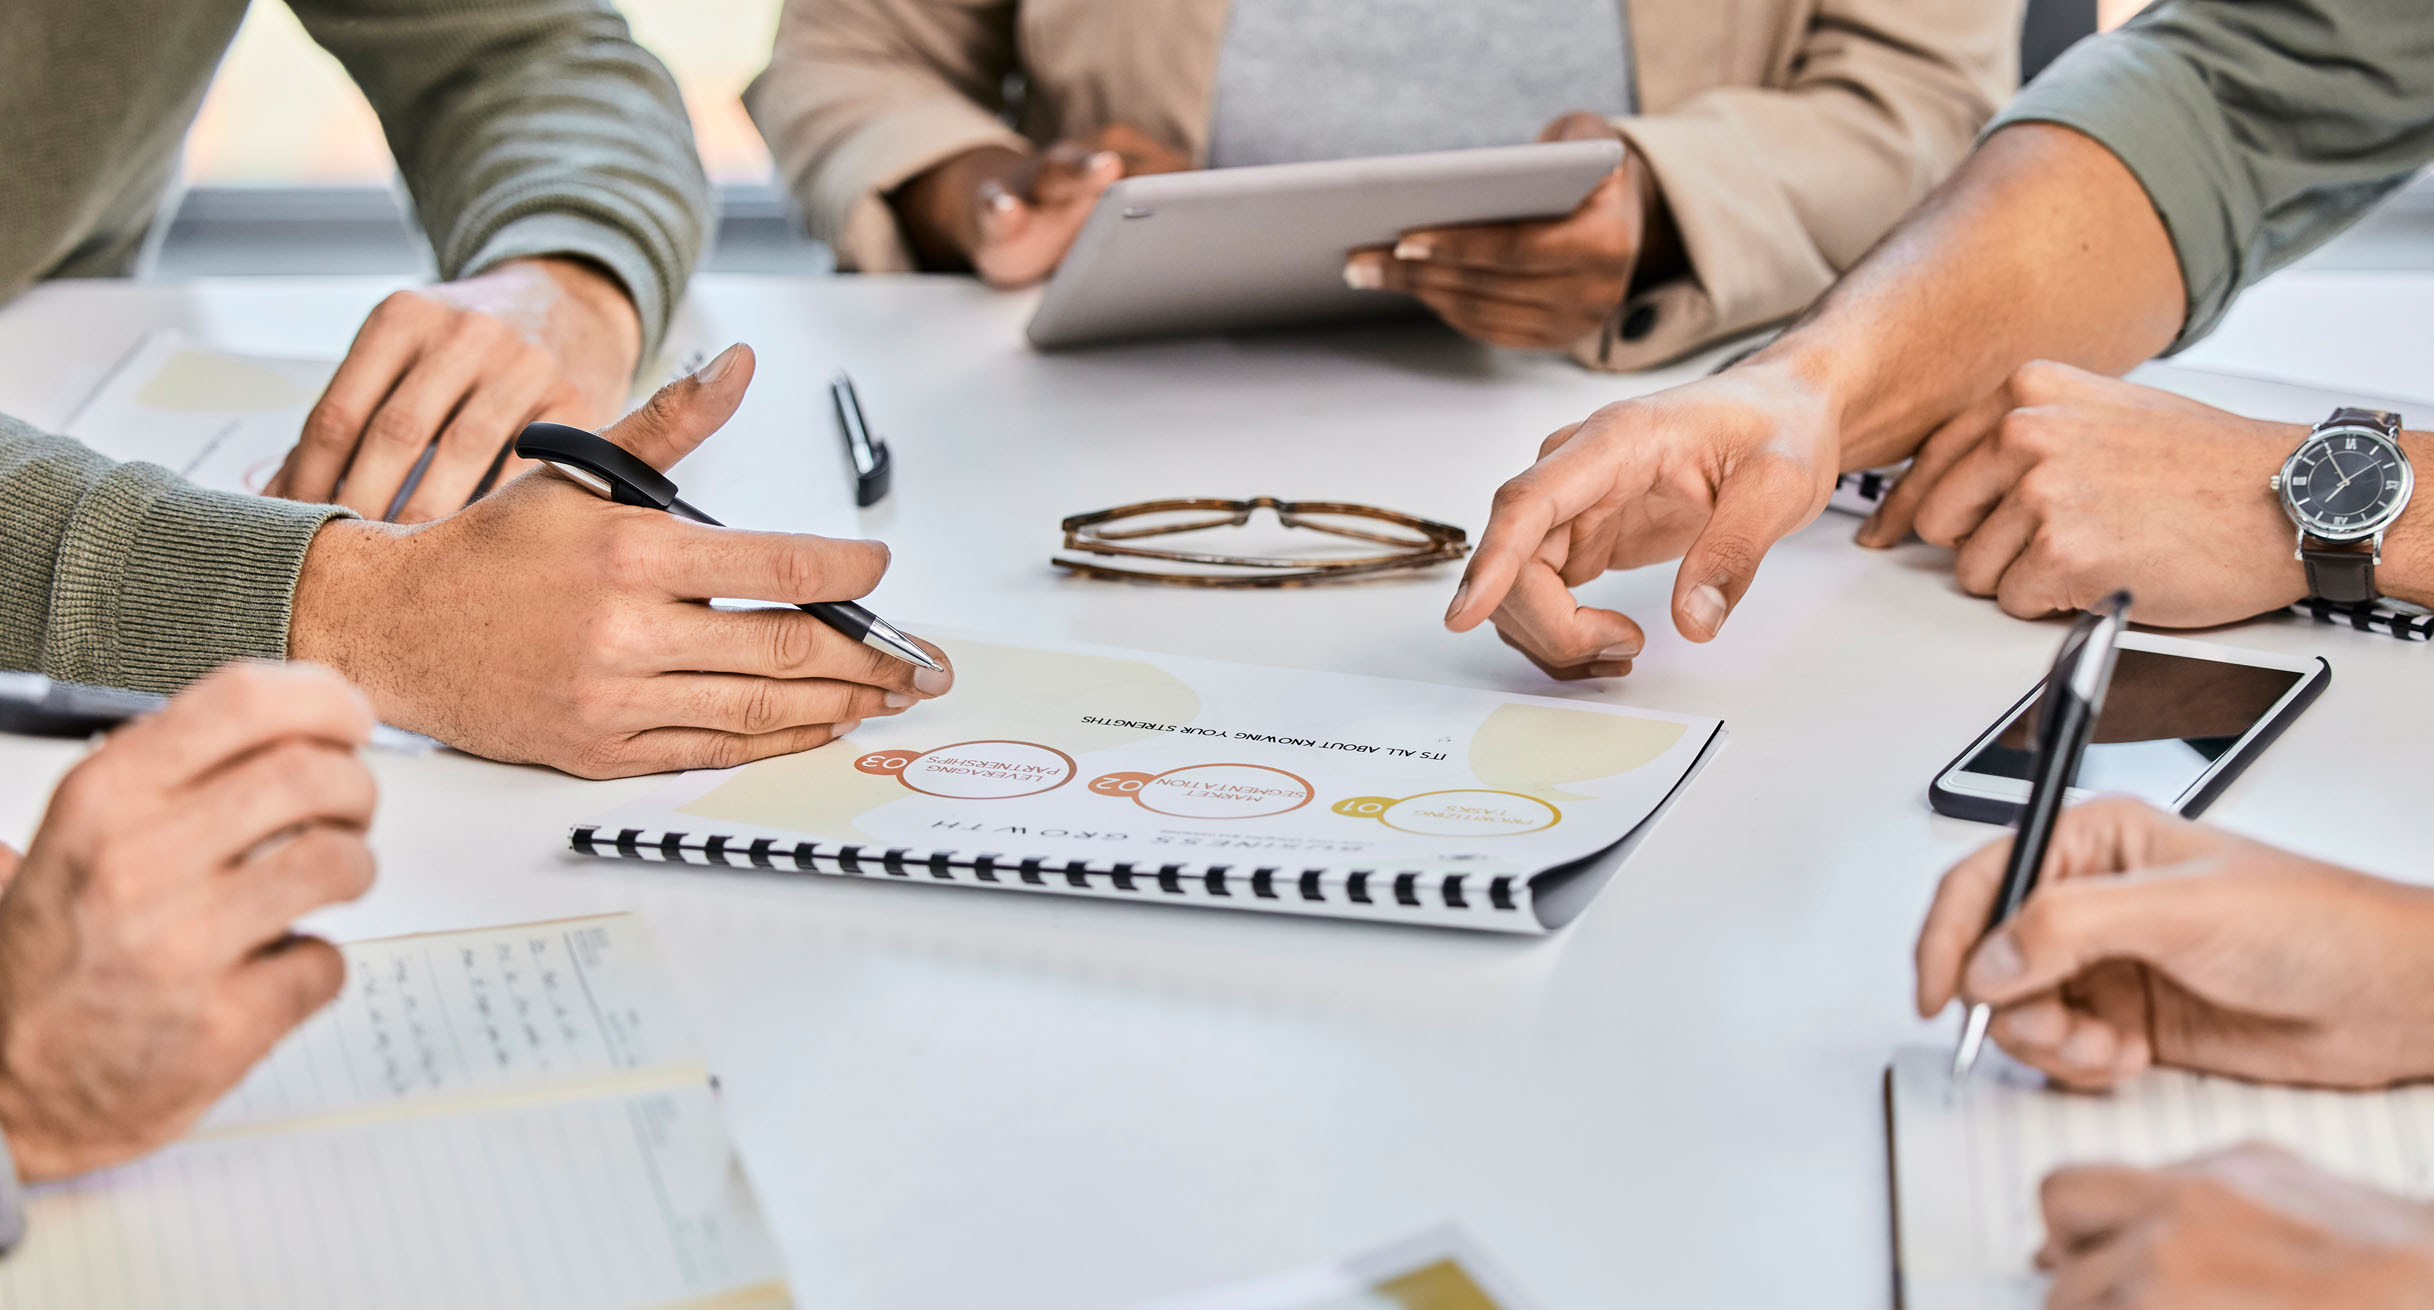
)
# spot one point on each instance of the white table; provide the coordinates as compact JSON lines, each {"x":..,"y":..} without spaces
{"x":962,"y":1098}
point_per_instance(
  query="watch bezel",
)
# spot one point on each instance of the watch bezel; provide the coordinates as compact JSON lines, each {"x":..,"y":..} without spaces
{"x":2322,"y":531}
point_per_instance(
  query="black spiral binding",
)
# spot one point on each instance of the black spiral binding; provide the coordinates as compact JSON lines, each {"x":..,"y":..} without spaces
{"x":1218,"y":884}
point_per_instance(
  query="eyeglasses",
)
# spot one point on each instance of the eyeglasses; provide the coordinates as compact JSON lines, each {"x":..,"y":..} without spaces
{"x":1419,"y":544}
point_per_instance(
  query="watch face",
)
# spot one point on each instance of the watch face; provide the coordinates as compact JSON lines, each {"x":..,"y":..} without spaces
{"x":2346,"y":483}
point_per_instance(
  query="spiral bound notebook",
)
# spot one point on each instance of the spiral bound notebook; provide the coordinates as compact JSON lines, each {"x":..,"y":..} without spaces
{"x":1186,"y":781}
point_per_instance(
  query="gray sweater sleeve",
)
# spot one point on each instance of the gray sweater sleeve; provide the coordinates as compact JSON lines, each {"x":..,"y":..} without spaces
{"x":2259,"y":128}
{"x":128,"y":576}
{"x":531,"y":127}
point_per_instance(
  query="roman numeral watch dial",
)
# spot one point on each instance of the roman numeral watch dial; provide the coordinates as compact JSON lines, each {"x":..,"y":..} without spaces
{"x":2342,"y":487}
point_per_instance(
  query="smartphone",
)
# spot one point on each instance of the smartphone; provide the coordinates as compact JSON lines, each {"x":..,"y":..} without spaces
{"x":2182,"y":720}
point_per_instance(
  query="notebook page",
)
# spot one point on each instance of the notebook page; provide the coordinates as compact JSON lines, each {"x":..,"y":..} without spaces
{"x":1968,"y":1160}
{"x":221,"y":419}
{"x":447,"y":1020}
{"x":629,"y":1200}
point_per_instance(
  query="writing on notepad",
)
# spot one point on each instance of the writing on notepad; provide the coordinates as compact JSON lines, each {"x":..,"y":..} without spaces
{"x":1967,"y":1159}
{"x":509,"y":1116}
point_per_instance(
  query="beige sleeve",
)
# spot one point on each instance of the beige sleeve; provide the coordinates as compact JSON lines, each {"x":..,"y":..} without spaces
{"x":862,"y":95}
{"x":1777,"y":190}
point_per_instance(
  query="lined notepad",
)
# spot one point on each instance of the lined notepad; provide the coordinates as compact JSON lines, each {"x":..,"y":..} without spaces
{"x":1967,"y":1160}
{"x":504,"y":1117}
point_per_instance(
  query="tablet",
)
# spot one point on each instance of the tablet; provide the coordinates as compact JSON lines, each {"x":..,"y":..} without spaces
{"x":1264,"y":245}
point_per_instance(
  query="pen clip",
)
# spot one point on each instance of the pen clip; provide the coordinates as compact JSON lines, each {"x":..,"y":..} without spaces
{"x":597,"y":463}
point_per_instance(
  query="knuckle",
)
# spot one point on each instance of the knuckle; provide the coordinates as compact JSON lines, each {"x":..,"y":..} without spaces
{"x":606,"y":756}
{"x":760,"y":708}
{"x":794,"y":643}
{"x":798,"y":573}
{"x":2019,"y":431}
{"x":630,"y":556}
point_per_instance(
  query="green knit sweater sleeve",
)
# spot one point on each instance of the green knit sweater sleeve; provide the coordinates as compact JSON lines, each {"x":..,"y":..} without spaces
{"x":531,"y":127}
{"x":128,"y":576}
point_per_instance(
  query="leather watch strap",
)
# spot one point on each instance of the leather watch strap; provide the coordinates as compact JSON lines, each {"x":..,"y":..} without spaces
{"x":2342,"y":576}
{"x":2382,"y":420}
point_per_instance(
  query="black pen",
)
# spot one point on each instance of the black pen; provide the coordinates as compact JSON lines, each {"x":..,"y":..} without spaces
{"x":871,"y":461}
{"x":607,"y":469}
{"x":2066,"y":721}
{"x":45,"y":707}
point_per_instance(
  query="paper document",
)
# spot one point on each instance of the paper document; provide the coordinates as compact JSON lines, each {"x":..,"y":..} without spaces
{"x":1196,"y":781}
{"x":1967,"y":1159}
{"x":1441,"y":1269}
{"x":220,"y":419}
{"x":503,"y":1117}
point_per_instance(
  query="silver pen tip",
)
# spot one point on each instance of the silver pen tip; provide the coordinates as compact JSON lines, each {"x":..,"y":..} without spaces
{"x":1973,"y":1040}
{"x":903,"y":647}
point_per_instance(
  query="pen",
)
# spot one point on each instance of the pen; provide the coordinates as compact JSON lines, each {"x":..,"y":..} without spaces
{"x":42,"y":707}
{"x":2066,"y":720}
{"x":606,"y":469}
{"x":871,"y":461}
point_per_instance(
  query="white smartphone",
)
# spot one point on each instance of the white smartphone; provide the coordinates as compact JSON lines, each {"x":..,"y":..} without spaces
{"x":2182,"y":720}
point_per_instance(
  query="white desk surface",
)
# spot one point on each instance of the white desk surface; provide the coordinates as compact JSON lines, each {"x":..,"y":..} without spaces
{"x":955,"y":1097}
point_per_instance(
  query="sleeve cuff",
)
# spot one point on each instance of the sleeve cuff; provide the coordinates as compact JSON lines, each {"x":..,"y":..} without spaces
{"x":2156,"y":116}
{"x":652,"y":281}
{"x":160,"y":581}
{"x":844,"y":194}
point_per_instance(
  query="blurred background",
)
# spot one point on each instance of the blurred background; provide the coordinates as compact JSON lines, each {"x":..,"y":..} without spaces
{"x":286,"y":171}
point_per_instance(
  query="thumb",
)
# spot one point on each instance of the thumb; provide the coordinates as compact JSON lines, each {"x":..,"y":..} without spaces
{"x":2070,"y":927}
{"x":1755,"y":507}
{"x":681,"y":415}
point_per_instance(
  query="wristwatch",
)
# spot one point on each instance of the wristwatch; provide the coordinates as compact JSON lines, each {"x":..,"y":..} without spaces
{"x":2343,"y":486}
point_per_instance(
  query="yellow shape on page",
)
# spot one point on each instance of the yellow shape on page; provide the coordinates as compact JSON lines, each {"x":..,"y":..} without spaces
{"x":1002,"y":693}
{"x":1534,"y":749}
{"x":199,"y":382}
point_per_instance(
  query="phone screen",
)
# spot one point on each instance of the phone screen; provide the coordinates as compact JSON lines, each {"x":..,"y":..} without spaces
{"x":2166,"y":720}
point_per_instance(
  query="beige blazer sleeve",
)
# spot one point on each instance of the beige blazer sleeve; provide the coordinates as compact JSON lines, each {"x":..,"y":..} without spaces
{"x":862,"y":95}
{"x":1776,"y":189}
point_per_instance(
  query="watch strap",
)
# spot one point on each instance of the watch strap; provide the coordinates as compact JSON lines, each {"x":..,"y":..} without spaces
{"x":2344,"y":576}
{"x":2351,"y":416}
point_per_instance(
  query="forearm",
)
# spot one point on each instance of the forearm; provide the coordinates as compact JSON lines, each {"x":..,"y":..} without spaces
{"x":531,"y":128}
{"x":2043,"y":246}
{"x":2407,"y":570}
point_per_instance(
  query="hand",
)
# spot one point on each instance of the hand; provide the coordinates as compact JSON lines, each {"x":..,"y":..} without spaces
{"x":2253,"y":1227}
{"x":1535,"y":285}
{"x":464,"y":365}
{"x":1714,"y":472}
{"x":145,"y":957}
{"x":2153,"y":940}
{"x":1011,"y":216}
{"x":545,"y":624}
{"x":2066,"y":485}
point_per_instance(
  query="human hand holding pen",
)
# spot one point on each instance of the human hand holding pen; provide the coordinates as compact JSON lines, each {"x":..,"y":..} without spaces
{"x":2151,"y":940}
{"x":542,"y":625}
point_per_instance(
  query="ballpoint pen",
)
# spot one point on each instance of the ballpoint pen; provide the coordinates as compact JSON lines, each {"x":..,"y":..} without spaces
{"x":2066,"y":721}
{"x":607,"y":469}
{"x":44,"y":707}
{"x":871,"y":461}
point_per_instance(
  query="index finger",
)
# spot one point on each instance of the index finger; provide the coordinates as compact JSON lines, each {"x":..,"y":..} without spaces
{"x":2085,"y":1204}
{"x":1561,"y":484}
{"x":692,"y":561}
{"x":383,"y":348}
{"x":1954,"y":923}
{"x":238,"y":709}
{"x":1541,"y":245}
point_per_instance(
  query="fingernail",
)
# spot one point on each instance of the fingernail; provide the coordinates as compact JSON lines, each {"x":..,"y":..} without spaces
{"x":711,"y":373}
{"x":1996,"y":962}
{"x":1869,"y":529}
{"x":2040,"y":1025}
{"x":1620,"y":652}
{"x":896,"y":700}
{"x":996,"y":198}
{"x":1411,"y":248}
{"x":1462,"y":595}
{"x":1361,"y":275}
{"x":2084,"y":1048}
{"x":842,"y":729}
{"x":932,"y":682}
{"x":1106,"y":161}
{"x":1704,"y":607}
